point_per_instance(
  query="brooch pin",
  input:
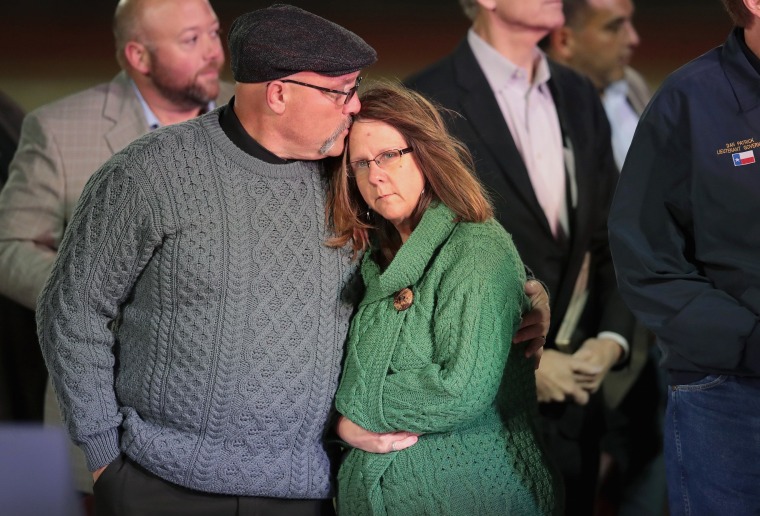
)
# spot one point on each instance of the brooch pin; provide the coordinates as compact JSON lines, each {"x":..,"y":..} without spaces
{"x":403,"y":299}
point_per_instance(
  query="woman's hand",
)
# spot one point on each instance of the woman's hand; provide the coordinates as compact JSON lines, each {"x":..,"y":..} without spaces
{"x":372,"y":442}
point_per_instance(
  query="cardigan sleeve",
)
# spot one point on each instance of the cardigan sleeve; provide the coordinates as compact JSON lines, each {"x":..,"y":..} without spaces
{"x":108,"y":243}
{"x":479,"y":306}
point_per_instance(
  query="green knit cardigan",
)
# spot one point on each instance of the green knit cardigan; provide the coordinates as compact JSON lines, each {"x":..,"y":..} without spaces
{"x":444,"y":367}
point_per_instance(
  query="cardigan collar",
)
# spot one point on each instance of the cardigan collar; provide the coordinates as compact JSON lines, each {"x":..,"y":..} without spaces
{"x":412,"y":259}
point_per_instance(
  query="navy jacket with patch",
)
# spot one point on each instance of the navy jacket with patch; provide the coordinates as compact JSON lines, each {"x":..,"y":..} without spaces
{"x":685,"y":221}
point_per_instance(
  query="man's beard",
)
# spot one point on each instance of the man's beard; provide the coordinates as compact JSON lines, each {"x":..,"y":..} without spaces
{"x":330,"y":142}
{"x":189,"y":95}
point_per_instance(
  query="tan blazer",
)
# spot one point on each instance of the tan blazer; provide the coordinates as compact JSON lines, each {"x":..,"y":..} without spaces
{"x":62,"y":144}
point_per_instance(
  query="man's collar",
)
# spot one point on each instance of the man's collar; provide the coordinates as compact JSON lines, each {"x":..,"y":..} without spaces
{"x":235,"y":131}
{"x":495,"y":66}
{"x":150,"y":116}
{"x":617,"y":89}
{"x":749,"y":54}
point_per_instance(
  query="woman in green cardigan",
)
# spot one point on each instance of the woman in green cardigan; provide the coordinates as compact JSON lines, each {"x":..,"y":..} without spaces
{"x":436,"y":403}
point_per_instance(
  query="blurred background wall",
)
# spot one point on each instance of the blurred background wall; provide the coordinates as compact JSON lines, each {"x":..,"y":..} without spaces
{"x":50,"y":48}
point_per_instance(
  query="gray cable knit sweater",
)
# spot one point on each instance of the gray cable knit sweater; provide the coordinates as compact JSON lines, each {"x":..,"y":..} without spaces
{"x":193,"y":319}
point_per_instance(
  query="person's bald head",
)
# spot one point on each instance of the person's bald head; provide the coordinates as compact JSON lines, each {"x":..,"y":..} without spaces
{"x":128,"y":24}
{"x":171,"y":47}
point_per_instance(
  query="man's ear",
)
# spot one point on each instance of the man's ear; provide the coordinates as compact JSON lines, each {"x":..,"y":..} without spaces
{"x":275,"y":96}
{"x":561,"y":41}
{"x":754,"y":7}
{"x":137,"y":56}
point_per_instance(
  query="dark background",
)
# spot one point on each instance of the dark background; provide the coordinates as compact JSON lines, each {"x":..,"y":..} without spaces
{"x":51,"y":48}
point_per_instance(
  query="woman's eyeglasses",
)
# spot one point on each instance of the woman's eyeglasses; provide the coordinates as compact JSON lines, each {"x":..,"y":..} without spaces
{"x":360,"y":167}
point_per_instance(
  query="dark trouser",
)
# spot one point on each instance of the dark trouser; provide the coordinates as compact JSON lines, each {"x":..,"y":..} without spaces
{"x":127,"y":489}
{"x":572,"y":435}
{"x":23,"y":374}
{"x":636,"y":482}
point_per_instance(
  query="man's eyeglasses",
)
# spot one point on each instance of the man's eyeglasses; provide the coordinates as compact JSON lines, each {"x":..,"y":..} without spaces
{"x":349,"y":94}
{"x":360,"y":167}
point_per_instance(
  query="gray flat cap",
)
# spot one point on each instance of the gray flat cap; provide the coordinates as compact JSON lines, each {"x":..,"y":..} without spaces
{"x":281,"y":40}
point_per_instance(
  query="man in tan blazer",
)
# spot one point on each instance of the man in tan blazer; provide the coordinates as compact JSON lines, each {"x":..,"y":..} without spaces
{"x":170,"y":61}
{"x":170,"y":53}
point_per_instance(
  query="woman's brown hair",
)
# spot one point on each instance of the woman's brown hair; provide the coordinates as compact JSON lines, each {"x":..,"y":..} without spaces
{"x":444,"y":162}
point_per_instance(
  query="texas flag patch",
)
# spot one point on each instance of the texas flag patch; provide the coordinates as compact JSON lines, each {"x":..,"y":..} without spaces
{"x":743,"y":158}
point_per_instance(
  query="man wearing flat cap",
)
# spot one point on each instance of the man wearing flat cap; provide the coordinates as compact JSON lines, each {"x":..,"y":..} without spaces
{"x":193,"y":324}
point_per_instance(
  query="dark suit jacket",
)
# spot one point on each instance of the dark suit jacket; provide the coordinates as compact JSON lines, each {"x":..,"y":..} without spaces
{"x":458,"y":83}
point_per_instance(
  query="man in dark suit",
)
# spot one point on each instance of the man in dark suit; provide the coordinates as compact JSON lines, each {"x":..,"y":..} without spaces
{"x":598,"y":40}
{"x":541,"y":144}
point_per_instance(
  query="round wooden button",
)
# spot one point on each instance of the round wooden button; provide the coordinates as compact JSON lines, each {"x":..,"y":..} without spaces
{"x":403,"y":299}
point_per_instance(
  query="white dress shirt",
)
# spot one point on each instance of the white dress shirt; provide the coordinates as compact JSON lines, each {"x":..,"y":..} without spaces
{"x":529,"y":110}
{"x":623,"y":119}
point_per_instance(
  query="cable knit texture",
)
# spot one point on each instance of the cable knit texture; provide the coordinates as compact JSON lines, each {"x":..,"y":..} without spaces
{"x":193,"y":319}
{"x":438,"y":368}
